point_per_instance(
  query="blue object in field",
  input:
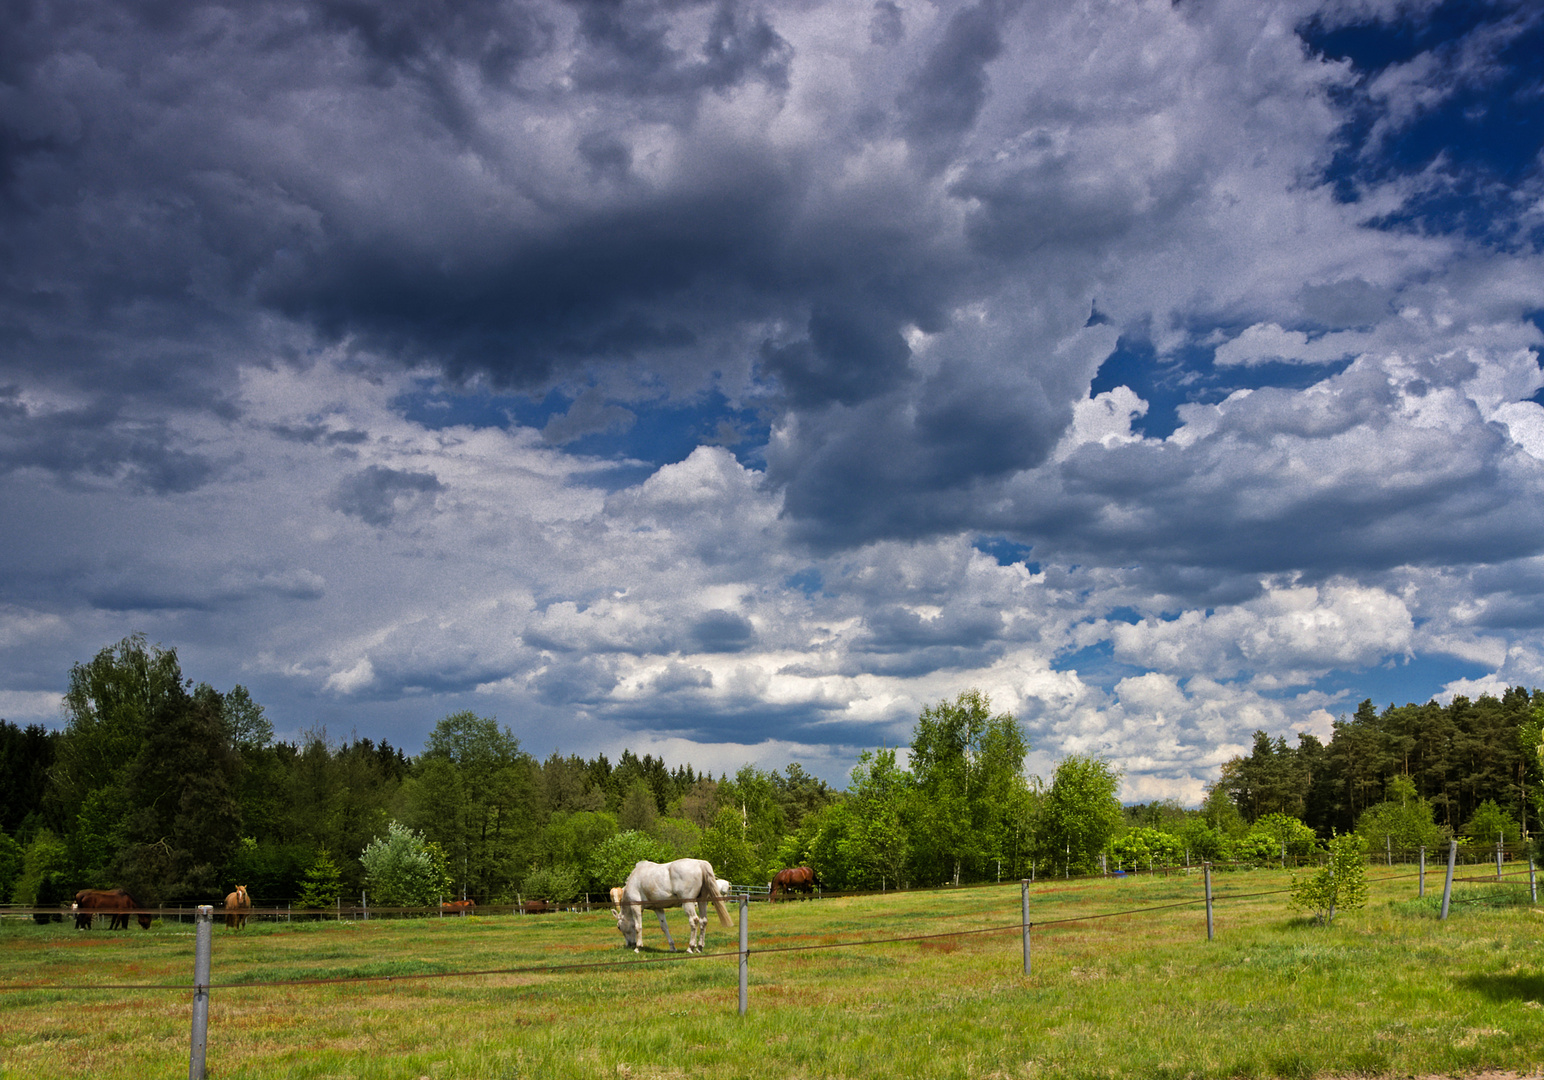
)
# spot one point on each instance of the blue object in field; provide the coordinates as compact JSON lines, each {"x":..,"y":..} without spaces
{"x":1119,"y":873}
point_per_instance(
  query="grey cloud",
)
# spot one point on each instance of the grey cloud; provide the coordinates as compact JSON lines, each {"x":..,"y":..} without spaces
{"x":722,"y":632}
{"x":378,"y":495}
{"x":586,"y":680}
{"x":98,"y":442}
{"x":945,"y":95}
{"x":1348,"y":303}
{"x":887,"y":26}
{"x":630,"y":52}
{"x":587,"y":415}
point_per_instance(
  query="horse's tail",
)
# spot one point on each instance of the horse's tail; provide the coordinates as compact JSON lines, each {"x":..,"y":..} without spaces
{"x":710,"y":887}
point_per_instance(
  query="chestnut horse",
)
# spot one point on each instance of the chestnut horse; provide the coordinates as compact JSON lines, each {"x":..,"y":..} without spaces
{"x":794,"y":879}
{"x":114,"y":903}
{"x":237,"y":904}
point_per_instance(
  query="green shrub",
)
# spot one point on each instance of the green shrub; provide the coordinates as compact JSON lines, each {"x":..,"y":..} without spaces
{"x":1340,"y":885}
{"x":404,"y":869}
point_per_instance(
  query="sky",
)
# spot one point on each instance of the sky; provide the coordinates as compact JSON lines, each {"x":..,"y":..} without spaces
{"x":730,"y":381}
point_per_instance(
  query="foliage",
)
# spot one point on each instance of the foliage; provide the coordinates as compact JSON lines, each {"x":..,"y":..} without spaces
{"x":271,"y":867}
{"x":45,"y":873}
{"x":753,"y":800}
{"x":726,"y":845}
{"x":1457,"y":756}
{"x":403,"y":869}
{"x":679,"y":835}
{"x":1489,"y":824}
{"x":967,"y":767}
{"x":1080,"y":814}
{"x":26,"y":757}
{"x":1339,"y":885}
{"x":877,"y":834}
{"x":474,"y":795}
{"x":572,"y":837}
{"x":1403,"y":822}
{"x":12,"y":859}
{"x":556,"y":884}
{"x":323,"y":882}
{"x":1137,"y":848}
{"x":1273,"y":837}
{"x":616,"y":856}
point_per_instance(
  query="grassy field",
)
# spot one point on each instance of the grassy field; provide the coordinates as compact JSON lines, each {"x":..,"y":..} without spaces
{"x":1138,"y":992}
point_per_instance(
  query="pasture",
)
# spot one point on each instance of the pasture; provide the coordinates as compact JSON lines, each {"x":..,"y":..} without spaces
{"x":1386,"y":991}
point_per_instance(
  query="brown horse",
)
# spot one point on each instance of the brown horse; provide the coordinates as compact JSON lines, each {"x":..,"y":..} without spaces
{"x":116,"y":904}
{"x":237,"y":904}
{"x":459,"y":907}
{"x":794,"y":879}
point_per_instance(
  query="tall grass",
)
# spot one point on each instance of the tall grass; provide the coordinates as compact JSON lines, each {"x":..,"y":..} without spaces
{"x":1130,"y":989}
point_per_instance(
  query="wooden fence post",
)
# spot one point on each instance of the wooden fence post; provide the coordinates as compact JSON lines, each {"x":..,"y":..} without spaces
{"x":1420,"y":889}
{"x":205,"y":922}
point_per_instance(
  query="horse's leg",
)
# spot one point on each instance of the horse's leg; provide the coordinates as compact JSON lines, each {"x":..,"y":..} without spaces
{"x":699,"y":923}
{"x":663,"y":925}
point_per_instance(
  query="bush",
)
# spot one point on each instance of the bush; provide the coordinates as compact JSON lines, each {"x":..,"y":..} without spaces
{"x":403,"y":869}
{"x":555,"y":884}
{"x":1340,"y":885}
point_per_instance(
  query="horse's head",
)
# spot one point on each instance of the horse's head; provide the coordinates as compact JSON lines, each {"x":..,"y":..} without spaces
{"x":629,"y":921}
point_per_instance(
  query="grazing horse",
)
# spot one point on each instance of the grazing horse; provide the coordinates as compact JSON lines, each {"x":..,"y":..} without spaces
{"x":114,"y":903}
{"x":535,"y":907}
{"x":237,"y":904}
{"x":794,"y":879}
{"x":660,"y":886}
{"x":459,"y":907}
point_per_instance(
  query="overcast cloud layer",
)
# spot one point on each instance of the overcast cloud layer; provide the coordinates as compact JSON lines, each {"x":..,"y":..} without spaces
{"x":728,"y":381}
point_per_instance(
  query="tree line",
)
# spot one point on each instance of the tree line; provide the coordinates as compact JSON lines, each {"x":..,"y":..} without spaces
{"x":177,"y":791}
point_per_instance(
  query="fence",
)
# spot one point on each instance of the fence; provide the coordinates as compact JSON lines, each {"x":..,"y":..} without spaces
{"x":203,"y":917}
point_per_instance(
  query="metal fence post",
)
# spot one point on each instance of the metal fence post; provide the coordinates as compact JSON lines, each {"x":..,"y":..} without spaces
{"x":205,"y":922}
{"x":1207,"y":871}
{"x":1533,"y":884}
{"x":745,"y":948}
{"x":1024,"y":892}
{"x":1447,"y":888}
{"x":1498,"y":856}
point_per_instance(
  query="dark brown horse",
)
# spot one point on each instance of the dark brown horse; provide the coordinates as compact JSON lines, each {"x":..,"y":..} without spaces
{"x":794,"y":879}
{"x":114,"y":903}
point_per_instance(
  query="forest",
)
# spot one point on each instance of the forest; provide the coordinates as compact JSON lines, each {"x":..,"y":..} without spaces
{"x":177,"y":792}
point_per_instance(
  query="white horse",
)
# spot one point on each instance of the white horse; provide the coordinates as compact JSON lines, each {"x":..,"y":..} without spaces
{"x":666,"y":885}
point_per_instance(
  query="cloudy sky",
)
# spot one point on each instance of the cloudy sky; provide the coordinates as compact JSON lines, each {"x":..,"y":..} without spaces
{"x":728,"y":381}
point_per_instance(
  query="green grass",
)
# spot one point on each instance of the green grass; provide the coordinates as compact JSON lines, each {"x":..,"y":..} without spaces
{"x":1386,"y":991}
